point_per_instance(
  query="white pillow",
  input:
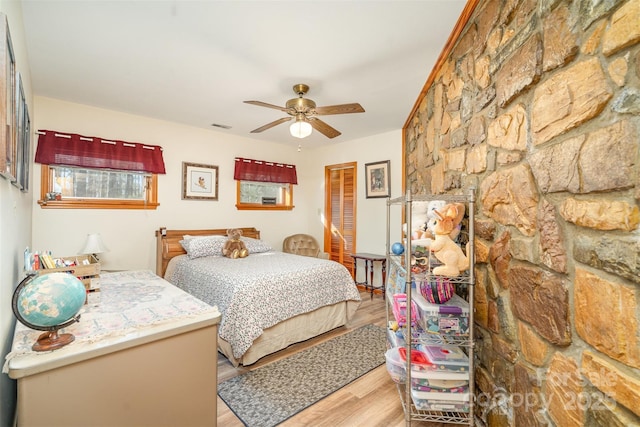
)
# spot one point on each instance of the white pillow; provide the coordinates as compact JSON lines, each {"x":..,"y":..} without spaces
{"x":199,"y":246}
{"x":256,"y":246}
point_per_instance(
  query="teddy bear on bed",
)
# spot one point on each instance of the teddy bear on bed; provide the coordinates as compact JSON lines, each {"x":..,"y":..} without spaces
{"x":234,"y":247}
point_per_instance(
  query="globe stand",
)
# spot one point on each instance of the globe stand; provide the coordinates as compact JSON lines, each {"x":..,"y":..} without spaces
{"x":51,"y":340}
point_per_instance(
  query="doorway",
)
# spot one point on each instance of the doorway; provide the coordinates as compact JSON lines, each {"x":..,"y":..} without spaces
{"x":340,"y":213}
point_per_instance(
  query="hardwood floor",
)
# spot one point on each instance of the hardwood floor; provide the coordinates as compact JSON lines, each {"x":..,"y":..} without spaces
{"x":370,"y":401}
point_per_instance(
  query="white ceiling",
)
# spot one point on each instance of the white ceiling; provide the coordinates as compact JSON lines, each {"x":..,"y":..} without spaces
{"x":195,"y":62}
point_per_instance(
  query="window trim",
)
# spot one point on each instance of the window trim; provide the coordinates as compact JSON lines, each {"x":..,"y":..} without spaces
{"x":260,"y":207}
{"x":150,"y":202}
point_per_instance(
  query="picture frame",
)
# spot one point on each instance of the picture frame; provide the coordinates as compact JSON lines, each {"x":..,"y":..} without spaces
{"x":24,"y":141}
{"x":27,"y":149}
{"x":199,"y":181}
{"x":8,"y":99}
{"x":21,"y":155}
{"x":378,"y":179}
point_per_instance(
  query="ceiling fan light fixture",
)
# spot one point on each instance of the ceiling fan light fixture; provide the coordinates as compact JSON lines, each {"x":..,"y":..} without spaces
{"x":300,"y":129}
{"x":304,"y":110}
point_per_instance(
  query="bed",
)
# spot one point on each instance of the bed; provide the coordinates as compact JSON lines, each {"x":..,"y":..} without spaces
{"x":268,"y":300}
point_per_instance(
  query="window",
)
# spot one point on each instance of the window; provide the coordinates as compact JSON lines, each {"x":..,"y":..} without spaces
{"x":71,"y":187}
{"x":93,"y":173}
{"x":264,"y":185}
{"x":264,"y":195}
{"x":84,"y":188}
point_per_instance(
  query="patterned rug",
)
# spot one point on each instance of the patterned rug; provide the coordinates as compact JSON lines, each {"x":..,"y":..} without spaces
{"x":272,"y":393}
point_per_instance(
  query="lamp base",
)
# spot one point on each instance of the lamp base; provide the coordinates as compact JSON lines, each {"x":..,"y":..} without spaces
{"x":52,"y":341}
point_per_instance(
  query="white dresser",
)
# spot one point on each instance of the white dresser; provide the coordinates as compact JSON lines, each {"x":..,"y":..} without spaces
{"x":146,"y":355}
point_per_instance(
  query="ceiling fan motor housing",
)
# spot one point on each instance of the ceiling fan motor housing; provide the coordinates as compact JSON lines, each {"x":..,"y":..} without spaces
{"x":301,"y":105}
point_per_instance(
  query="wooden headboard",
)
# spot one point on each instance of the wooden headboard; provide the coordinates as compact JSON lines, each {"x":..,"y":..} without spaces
{"x":168,"y":243}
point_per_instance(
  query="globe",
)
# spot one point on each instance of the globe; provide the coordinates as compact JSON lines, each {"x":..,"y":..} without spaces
{"x":49,"y":302}
{"x":397,"y":248}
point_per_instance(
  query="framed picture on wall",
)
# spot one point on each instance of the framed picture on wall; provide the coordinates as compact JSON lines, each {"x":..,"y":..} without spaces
{"x":199,"y":182}
{"x":20,"y":129}
{"x":23,"y":140}
{"x":26,"y":141}
{"x":8,"y":99}
{"x":378,"y":180}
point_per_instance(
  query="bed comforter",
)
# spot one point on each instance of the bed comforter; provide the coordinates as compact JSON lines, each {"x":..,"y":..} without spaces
{"x":261,"y":290}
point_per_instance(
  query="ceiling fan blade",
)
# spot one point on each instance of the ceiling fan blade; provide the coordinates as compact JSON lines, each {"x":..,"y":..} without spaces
{"x":339,"y":109}
{"x":323,"y":128}
{"x":272,"y":124}
{"x":264,"y":104}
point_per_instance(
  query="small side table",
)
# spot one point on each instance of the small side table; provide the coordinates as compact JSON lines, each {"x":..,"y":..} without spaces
{"x":369,"y":261}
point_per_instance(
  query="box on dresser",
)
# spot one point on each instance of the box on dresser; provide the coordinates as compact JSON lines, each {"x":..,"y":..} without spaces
{"x":86,"y":268}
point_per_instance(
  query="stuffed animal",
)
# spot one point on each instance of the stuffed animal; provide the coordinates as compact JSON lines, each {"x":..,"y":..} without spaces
{"x":234,"y":247}
{"x":443,"y":247}
{"x":418,"y":220}
{"x":425,"y":233}
{"x":430,"y":225}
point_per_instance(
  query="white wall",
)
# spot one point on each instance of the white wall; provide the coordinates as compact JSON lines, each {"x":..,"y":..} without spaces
{"x":129,"y":234}
{"x":371,"y":213}
{"x":15,"y":222}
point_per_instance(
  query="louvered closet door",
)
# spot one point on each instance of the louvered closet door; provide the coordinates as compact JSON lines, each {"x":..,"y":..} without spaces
{"x":340,"y":208}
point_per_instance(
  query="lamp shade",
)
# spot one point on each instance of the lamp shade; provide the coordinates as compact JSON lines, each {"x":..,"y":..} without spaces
{"x":300,"y":129}
{"x":94,"y":245}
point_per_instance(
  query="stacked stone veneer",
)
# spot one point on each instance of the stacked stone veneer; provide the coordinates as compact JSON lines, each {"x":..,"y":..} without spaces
{"x":537,"y":106}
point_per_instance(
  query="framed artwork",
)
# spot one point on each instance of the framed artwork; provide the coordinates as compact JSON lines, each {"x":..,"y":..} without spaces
{"x":24,"y":141}
{"x":8,"y":100}
{"x":378,"y":180}
{"x":21,"y":155}
{"x":199,"y":182}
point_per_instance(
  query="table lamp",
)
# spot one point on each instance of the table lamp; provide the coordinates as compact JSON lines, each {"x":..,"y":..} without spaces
{"x":94,"y":245}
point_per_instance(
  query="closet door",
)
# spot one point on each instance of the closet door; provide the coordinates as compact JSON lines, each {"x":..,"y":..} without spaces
{"x":340,"y":213}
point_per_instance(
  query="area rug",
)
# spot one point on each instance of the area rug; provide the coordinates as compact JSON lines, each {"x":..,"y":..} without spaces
{"x":272,"y":393}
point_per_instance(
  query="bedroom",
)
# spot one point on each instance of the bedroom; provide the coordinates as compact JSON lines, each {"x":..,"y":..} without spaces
{"x":17,"y":225}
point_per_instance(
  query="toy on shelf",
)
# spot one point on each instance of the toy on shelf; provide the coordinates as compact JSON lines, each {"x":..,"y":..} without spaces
{"x":400,"y":310}
{"x":443,"y":247}
{"x":418,"y":220}
{"x":397,"y":248}
{"x":426,"y":233}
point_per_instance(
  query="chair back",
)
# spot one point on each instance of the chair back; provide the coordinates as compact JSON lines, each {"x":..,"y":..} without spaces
{"x":301,"y":244}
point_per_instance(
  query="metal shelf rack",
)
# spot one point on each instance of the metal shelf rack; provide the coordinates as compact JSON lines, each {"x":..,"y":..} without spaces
{"x":413,"y":334}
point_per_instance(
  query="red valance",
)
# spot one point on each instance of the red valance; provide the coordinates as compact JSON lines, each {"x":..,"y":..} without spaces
{"x":263,"y":171}
{"x":59,"y":148}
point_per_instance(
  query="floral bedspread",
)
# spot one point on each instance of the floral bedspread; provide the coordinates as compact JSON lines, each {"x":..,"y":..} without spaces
{"x":261,"y":290}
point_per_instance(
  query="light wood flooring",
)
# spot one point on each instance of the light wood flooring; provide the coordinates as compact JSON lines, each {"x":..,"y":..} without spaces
{"x":370,"y":401}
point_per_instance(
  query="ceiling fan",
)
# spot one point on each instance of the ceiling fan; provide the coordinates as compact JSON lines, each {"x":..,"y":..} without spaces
{"x":304,"y":111}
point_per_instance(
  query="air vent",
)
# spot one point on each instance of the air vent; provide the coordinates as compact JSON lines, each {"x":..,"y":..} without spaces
{"x":217,"y":125}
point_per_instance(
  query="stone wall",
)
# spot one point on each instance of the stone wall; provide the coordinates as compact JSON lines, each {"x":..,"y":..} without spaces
{"x":537,"y":106}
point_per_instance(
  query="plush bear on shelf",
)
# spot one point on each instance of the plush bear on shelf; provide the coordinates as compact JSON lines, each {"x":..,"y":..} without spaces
{"x":429,"y":226}
{"x":443,"y":247}
{"x":427,"y":233}
{"x":234,"y":247}
{"x":418,"y":220}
